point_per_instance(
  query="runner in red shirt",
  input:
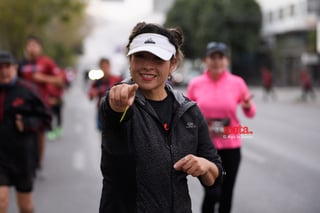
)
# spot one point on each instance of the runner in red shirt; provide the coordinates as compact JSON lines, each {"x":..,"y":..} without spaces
{"x":267,"y":82}
{"x":43,"y":72}
{"x":55,"y":94}
{"x":100,"y":86}
{"x":306,"y":85}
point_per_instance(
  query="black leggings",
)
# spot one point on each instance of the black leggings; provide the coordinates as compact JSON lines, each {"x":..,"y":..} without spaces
{"x":222,"y":194}
{"x":57,"y":112}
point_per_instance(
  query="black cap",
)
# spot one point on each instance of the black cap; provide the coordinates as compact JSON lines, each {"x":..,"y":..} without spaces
{"x":6,"y":57}
{"x":216,"y":47}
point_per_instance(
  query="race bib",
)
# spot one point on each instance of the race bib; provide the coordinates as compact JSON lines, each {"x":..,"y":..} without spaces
{"x":216,"y":126}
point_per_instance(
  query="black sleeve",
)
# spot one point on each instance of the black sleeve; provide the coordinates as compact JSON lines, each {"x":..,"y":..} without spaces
{"x":117,"y":162}
{"x":36,"y":115}
{"x":110,"y":118}
{"x":114,"y":131}
{"x":206,"y":148}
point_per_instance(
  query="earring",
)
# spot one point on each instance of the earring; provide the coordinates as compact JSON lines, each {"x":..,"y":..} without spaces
{"x":169,"y":77}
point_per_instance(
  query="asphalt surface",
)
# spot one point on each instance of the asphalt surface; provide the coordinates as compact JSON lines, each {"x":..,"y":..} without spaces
{"x":279,"y":172}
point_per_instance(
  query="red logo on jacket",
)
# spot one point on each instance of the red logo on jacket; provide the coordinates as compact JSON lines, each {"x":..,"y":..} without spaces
{"x":17,"y":102}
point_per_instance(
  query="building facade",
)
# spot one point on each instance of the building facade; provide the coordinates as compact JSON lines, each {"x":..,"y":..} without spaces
{"x":289,"y":35}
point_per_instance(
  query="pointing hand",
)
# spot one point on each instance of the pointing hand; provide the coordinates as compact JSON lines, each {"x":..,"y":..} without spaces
{"x":121,"y":96}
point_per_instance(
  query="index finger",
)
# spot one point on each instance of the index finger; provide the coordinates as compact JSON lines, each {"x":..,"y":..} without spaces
{"x":133,"y":87}
{"x":131,"y":93}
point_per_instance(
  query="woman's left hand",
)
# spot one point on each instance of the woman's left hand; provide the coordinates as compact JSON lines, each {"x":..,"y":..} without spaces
{"x":246,"y":101}
{"x":192,"y":165}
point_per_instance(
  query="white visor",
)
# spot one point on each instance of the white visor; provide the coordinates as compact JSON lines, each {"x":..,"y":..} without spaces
{"x":156,"y":44}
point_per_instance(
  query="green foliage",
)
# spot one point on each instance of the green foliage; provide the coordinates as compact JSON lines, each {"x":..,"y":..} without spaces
{"x":235,"y":22}
{"x":58,"y":22}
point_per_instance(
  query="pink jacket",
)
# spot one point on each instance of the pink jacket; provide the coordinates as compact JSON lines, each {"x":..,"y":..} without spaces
{"x":219,"y":99}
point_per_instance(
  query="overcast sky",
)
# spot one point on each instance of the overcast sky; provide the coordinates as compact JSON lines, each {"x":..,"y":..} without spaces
{"x":120,"y":10}
{"x":112,"y":23}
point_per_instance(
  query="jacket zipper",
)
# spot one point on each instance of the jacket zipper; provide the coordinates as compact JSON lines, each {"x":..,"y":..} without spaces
{"x":171,"y":171}
{"x":167,"y":134}
{"x":2,"y":95}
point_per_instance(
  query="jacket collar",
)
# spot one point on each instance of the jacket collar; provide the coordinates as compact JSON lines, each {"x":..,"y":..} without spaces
{"x":181,"y":104}
{"x":178,"y":96}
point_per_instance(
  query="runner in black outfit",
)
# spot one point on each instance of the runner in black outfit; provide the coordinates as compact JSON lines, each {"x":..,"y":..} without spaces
{"x":22,"y":115}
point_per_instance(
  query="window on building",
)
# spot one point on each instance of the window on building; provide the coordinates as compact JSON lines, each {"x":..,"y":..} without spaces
{"x":281,"y":13}
{"x":292,"y":10}
{"x":303,"y":9}
{"x":314,"y":6}
{"x":270,"y":17}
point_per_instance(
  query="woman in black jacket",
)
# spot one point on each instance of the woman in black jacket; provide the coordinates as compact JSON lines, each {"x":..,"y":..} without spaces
{"x":153,"y":137}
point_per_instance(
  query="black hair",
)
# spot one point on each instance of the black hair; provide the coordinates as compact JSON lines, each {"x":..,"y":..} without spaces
{"x":104,"y":60}
{"x":34,"y":38}
{"x":174,"y":35}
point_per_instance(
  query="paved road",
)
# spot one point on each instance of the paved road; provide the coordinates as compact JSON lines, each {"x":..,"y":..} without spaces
{"x":280,"y":169}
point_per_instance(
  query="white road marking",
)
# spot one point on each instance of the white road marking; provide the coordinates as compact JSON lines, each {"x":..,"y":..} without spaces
{"x":78,"y":161}
{"x":78,"y":128}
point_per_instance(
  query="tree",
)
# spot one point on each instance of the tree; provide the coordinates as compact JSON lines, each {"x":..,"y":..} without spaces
{"x":57,"y":22}
{"x":235,"y":22}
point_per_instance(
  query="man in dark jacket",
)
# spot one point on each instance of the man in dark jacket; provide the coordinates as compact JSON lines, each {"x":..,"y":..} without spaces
{"x":22,"y":115}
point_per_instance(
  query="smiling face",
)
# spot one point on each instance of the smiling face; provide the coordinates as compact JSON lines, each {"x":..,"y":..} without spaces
{"x":151,"y":73}
{"x":216,"y":62}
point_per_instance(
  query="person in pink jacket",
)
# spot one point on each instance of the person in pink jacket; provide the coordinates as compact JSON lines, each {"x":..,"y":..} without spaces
{"x":218,"y":93}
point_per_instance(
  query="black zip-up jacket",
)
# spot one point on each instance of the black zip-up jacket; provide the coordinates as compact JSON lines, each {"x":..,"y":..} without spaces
{"x":18,"y":150}
{"x":138,"y":156}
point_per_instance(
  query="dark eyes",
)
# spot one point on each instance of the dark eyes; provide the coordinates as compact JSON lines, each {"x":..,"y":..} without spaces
{"x":148,"y":56}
